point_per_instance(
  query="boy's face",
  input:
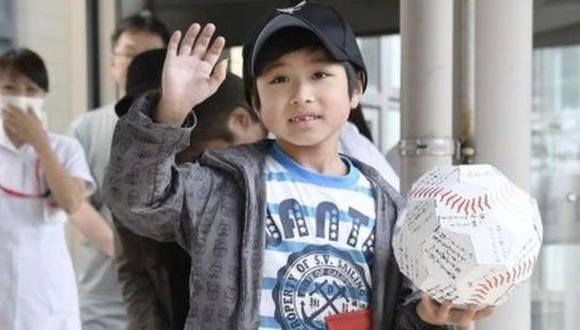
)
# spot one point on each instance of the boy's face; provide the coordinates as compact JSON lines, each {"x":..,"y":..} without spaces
{"x":304,"y":99}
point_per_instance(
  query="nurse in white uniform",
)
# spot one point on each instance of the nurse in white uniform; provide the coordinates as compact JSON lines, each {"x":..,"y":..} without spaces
{"x":43,"y":176}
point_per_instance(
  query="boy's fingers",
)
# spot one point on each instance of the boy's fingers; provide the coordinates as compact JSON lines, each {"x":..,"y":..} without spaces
{"x":219,"y":74}
{"x":189,"y":39}
{"x":486,"y":312}
{"x":461,"y":317}
{"x":443,"y":311}
{"x":214,"y":52}
{"x":203,"y":40}
{"x":428,"y":304}
{"x":173,"y":43}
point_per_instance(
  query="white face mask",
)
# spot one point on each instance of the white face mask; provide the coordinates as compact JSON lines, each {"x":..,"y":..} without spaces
{"x":23,"y":103}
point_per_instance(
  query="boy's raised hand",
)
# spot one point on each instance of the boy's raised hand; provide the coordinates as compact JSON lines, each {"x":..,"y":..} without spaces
{"x":189,"y":76}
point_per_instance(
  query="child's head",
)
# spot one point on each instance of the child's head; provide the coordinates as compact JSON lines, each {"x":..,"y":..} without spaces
{"x":225,"y":118}
{"x":280,"y":35}
{"x":23,"y":73}
{"x":303,"y":72}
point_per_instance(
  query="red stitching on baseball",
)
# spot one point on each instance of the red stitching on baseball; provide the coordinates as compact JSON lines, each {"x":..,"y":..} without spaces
{"x":481,"y":290}
{"x":489,"y":283}
{"x":418,"y":194}
{"x":429,"y":193}
{"x":478,"y":296}
{"x":466,"y":207}
{"x":479,"y":200}
{"x":455,"y":202}
{"x":473,"y":206}
{"x":442,"y":197}
{"x":433,"y":192}
{"x":461,"y":205}
{"x":474,"y":301}
{"x":441,"y":189}
{"x":419,"y":191}
{"x":452,"y":197}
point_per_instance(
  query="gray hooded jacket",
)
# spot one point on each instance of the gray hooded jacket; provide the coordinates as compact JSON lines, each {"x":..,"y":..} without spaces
{"x":215,"y":209}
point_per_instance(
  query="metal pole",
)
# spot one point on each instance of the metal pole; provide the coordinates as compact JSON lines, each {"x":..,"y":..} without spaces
{"x":463,"y":77}
{"x":503,"y":63}
{"x":426,"y":87}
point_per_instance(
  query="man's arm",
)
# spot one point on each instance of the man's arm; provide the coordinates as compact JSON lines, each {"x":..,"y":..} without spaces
{"x":88,"y":220}
{"x":94,"y":227}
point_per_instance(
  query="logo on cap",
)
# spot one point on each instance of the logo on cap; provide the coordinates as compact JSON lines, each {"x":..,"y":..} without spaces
{"x":291,"y":10}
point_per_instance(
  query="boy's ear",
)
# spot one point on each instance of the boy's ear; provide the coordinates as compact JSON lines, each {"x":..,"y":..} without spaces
{"x":239,"y":120}
{"x":357,"y":91}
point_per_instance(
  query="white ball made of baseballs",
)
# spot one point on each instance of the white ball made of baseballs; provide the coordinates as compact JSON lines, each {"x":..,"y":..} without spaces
{"x":467,"y":235}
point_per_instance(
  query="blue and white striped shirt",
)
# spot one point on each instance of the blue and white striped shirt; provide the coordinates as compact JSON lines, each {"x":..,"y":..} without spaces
{"x":319,"y":244}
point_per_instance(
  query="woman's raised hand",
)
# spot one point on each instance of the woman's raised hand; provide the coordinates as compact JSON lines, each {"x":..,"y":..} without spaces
{"x":190,"y":74}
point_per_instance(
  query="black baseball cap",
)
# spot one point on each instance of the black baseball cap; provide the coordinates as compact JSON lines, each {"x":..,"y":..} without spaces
{"x":324,"y":22}
{"x":143,"y":74}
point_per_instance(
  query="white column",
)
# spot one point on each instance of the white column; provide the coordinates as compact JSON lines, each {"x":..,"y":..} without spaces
{"x":503,"y":63}
{"x":426,"y":86}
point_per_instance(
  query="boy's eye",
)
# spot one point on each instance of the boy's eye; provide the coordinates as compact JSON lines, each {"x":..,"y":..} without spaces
{"x":320,"y":75}
{"x":279,"y":80}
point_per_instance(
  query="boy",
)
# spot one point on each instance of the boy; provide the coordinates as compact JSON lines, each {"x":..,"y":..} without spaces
{"x":281,"y":233}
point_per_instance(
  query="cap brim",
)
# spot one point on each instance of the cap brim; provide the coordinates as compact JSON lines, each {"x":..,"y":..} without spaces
{"x":284,"y":21}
